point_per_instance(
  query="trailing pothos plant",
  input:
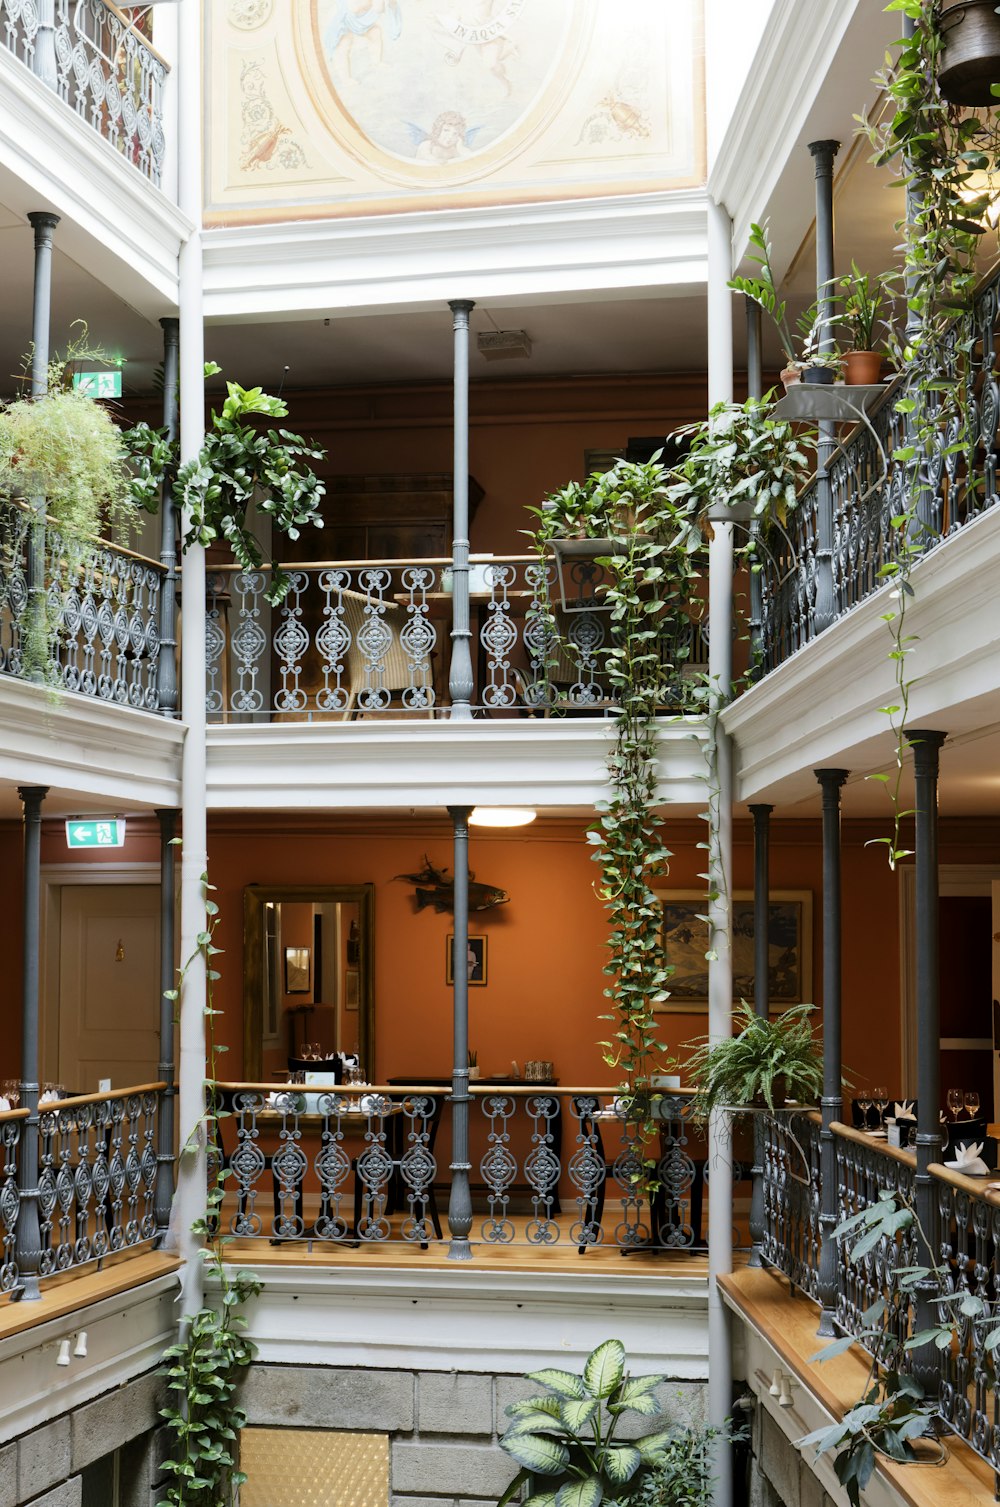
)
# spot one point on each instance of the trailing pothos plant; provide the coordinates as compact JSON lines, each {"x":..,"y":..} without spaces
{"x":946,"y":159}
{"x":240,"y":462}
{"x":204,"y":1369}
{"x":893,"y":1413}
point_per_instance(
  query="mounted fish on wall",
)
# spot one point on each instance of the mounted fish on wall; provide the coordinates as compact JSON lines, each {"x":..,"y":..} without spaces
{"x":434,"y":888}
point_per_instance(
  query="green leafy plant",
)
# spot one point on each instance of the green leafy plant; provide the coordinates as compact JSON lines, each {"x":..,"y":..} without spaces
{"x":863,"y":306}
{"x":564,"y":1440}
{"x":764,"y":1063}
{"x":204,"y":1369}
{"x":682,"y":1476}
{"x":893,"y":1414}
{"x":740,"y":455}
{"x":762,"y":289}
{"x":239,"y":463}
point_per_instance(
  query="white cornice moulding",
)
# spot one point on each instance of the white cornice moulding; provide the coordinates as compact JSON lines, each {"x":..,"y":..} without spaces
{"x":384,"y":764}
{"x":822,"y":705}
{"x":79,"y":745}
{"x":638,"y":241}
{"x":115,"y":222}
{"x":474,"y":1319}
{"x":800,"y":43}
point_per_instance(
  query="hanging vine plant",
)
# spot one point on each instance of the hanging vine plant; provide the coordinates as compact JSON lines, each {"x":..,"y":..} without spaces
{"x":945,"y":156}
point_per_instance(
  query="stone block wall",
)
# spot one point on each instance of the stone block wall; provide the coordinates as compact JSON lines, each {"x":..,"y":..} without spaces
{"x":780,"y":1475}
{"x":443,"y":1426}
{"x":54,"y":1465}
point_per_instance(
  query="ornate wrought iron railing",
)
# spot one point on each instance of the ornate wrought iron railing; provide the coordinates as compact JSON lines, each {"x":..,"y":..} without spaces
{"x":102,"y":66}
{"x":791,"y":1179}
{"x":97,"y":1172}
{"x":359,"y":1165}
{"x":869,"y":488}
{"x":373,"y":637}
{"x":95,"y":629}
{"x":11,"y":1126}
{"x":864,"y":1170}
{"x":968,"y":1397}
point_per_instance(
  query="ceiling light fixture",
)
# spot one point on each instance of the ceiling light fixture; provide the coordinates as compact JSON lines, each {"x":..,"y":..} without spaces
{"x":501,"y":816}
{"x":504,"y":345}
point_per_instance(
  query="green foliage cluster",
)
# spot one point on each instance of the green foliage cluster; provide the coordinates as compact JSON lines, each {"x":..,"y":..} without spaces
{"x":741,"y":455}
{"x":744,"y":1069}
{"x":239,"y":463}
{"x":564,"y":1441}
{"x":893,"y":1412}
{"x":204,"y":1369}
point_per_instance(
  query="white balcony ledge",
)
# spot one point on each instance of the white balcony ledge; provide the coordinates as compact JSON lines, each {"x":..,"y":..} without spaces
{"x":557,"y":763}
{"x":821,"y":707}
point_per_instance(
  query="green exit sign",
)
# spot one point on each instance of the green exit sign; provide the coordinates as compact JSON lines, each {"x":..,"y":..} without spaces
{"x":96,"y":834}
{"x":99,"y":384}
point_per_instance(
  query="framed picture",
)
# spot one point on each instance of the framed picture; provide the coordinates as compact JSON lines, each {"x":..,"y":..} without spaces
{"x":685,"y":942}
{"x":352,"y":988}
{"x":476,"y":964}
{"x":298,"y":970}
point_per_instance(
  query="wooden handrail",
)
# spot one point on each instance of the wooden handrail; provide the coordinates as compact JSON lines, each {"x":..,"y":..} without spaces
{"x":79,"y":1100}
{"x":477,"y":1086}
{"x":14,"y":1114}
{"x":861,"y":1138}
{"x":984,"y":1190}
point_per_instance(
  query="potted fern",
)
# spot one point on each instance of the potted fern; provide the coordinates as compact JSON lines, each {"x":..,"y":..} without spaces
{"x":760,"y":1067}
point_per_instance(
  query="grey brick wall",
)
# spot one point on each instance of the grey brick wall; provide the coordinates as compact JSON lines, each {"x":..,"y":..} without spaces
{"x":443,"y":1426}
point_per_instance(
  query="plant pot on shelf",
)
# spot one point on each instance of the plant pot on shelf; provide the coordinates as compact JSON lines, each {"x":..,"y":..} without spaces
{"x":820,"y":376}
{"x":779,"y":1093}
{"x":970,"y":56}
{"x":790,"y":376}
{"x":862,"y":368}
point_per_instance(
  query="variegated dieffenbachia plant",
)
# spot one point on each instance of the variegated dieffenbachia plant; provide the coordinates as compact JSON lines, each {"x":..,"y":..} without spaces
{"x":565,"y":1441}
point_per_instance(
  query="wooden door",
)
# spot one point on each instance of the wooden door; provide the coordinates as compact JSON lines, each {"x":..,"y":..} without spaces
{"x":109,"y":985}
{"x":995,"y":931}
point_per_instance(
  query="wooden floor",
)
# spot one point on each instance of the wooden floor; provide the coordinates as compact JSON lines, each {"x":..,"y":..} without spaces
{"x":520,"y":1255}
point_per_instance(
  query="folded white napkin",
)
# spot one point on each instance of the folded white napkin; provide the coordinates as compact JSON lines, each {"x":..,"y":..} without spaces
{"x":4,"y":1104}
{"x":904,"y":1111}
{"x":368,"y":1103}
{"x":49,"y":1098}
{"x":969,"y":1159}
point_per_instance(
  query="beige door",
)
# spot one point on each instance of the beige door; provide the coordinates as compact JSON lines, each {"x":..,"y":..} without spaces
{"x":109,"y":985}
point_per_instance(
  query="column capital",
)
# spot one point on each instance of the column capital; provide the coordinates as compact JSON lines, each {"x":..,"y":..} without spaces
{"x":831,"y":779}
{"x":42,"y":220}
{"x":824,"y":152}
{"x":461,"y":307}
{"x":32,"y":794}
{"x":926,"y":744}
{"x":759,"y":809}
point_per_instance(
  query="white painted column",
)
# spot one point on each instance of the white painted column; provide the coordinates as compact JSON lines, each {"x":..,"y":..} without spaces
{"x":166,"y":26}
{"x":189,"y":1204}
{"x":720,"y":968}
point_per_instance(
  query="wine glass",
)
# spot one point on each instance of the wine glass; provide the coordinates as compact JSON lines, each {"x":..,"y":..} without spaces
{"x":971,"y":1101}
{"x":955,"y":1101}
{"x":864,"y":1103}
{"x":12,"y":1091}
{"x":880,"y":1098}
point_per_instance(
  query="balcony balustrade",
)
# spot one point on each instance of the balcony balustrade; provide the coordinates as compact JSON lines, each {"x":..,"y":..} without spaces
{"x":364,"y":638}
{"x":965,"y":1243}
{"x":95,"y":1195}
{"x":870,"y":488}
{"x":359,"y":1166}
{"x":102,"y":66}
{"x":95,"y":630}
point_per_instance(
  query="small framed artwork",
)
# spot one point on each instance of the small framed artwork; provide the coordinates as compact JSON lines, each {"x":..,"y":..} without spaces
{"x":789,"y":948}
{"x":475,"y":964}
{"x":352,"y":988}
{"x":298,"y":970}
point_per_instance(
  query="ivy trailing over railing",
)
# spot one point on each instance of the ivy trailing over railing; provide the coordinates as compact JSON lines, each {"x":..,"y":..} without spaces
{"x":204,"y":1369}
{"x":945,"y":156}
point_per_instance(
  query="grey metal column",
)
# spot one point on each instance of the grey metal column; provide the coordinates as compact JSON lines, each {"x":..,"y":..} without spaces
{"x":460,"y":679}
{"x":43,"y":224}
{"x":823,"y":154}
{"x":166,"y":664}
{"x":831,"y":781}
{"x":43,"y":62}
{"x":29,"y":1241}
{"x":761,"y":1002}
{"x":460,"y":1197}
{"x":166,"y":1067}
{"x":926,"y":747}
{"x":755,"y":389}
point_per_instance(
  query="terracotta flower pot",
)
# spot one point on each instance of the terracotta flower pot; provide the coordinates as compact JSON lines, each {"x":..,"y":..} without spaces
{"x":862,"y":368}
{"x":970,"y":57}
{"x":790,"y":376}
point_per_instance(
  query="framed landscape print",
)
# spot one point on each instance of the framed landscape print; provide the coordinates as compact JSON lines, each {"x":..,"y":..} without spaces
{"x":685,"y":943}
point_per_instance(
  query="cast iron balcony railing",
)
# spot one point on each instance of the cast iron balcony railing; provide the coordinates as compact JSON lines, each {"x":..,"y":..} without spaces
{"x":352,"y":1166}
{"x":870,"y":488}
{"x":965,"y":1244}
{"x":363,"y":638}
{"x":104,"y":69}
{"x":95,"y":631}
{"x":95,"y":1193}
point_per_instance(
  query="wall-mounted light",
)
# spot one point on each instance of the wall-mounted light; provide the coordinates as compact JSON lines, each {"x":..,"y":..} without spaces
{"x":501,"y":816}
{"x":80,"y":1348}
{"x":62,"y":1359}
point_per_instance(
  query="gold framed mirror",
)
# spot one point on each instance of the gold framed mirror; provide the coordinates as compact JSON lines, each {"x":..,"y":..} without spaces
{"x":308,"y":982}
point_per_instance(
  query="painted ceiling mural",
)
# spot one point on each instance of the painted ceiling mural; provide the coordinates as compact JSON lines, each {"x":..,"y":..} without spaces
{"x":345,"y":107}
